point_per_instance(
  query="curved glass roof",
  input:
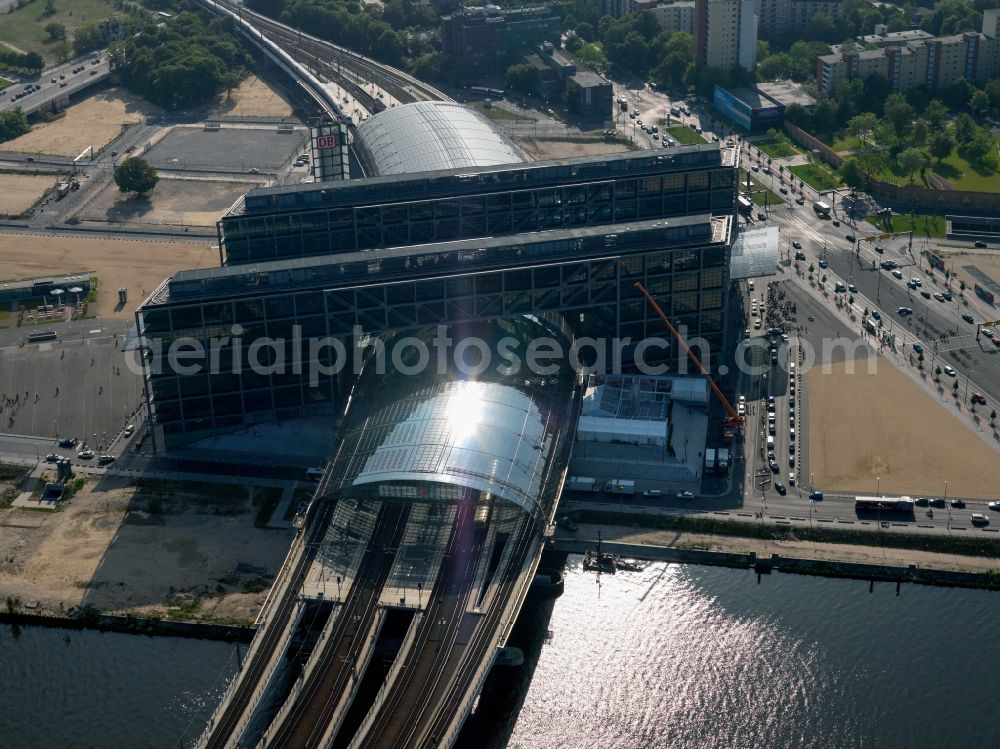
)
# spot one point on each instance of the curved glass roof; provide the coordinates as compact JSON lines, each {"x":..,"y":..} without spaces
{"x":436,"y":435}
{"x":429,"y":135}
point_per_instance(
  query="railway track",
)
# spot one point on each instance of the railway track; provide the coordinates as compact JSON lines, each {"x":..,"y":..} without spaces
{"x":221,"y":730}
{"x":398,"y":84}
{"x":305,"y":724}
{"x":450,"y":704}
{"x":400,"y":715}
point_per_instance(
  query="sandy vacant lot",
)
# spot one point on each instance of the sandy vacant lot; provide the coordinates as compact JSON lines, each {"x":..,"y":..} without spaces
{"x":18,"y":192}
{"x":137,"y":265}
{"x":558,"y":149}
{"x":100,"y":550}
{"x":178,"y":202}
{"x":988,"y":264}
{"x":95,"y":121}
{"x":863,"y":427}
{"x":253,"y":98}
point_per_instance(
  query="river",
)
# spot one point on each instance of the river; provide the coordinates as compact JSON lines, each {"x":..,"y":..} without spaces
{"x":677,"y":656}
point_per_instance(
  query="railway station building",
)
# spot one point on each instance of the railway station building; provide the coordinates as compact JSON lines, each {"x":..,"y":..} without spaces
{"x":454,"y":227}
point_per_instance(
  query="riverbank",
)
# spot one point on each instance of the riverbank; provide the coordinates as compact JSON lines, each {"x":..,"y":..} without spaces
{"x":133,"y":625}
{"x":788,"y":553}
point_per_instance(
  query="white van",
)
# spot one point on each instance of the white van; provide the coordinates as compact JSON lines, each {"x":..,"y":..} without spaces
{"x":314,"y":474}
{"x":770,"y":443}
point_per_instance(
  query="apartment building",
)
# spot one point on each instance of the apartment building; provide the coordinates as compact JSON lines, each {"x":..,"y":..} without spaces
{"x":779,"y":17}
{"x":676,"y":17}
{"x":915,"y":58}
{"x":726,"y":33}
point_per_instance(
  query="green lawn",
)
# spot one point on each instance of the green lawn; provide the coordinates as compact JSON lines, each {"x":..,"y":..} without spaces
{"x":4,"y":82}
{"x":965,"y":176}
{"x":685,"y":135}
{"x":496,"y":113}
{"x":922,"y":225}
{"x":846,"y":143}
{"x":759,"y":193}
{"x":817,"y":176}
{"x":776,"y":149}
{"x":25,"y":28}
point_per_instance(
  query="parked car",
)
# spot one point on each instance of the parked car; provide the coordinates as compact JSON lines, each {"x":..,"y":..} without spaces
{"x":685,"y":495}
{"x":105,"y":460}
{"x":85,"y":454}
{"x":981,"y":244}
{"x":936,"y":502}
{"x":816,"y":496}
{"x":958,"y":504}
{"x":968,"y":318}
{"x":780,"y":488}
{"x":67,"y":442}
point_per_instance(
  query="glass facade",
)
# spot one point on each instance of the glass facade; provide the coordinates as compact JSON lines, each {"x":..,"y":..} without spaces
{"x":597,"y":295}
{"x":568,"y":238}
{"x":363,"y":215}
{"x":432,"y":435}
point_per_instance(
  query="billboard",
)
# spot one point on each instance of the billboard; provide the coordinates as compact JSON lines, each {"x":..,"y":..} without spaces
{"x":329,"y":151}
{"x":730,"y":107}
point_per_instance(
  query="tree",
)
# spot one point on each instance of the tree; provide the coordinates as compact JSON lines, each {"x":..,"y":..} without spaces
{"x":941,"y":146}
{"x":230,"y":80}
{"x":980,"y":102}
{"x":981,"y":152}
{"x":12,"y":124}
{"x":135,"y":175}
{"x":911,"y":160}
{"x":55,"y":31}
{"x":522,"y":78}
{"x":586,"y":31}
{"x":899,"y":112}
{"x":920,"y":132}
{"x":87,"y":38}
{"x":862,"y":125}
{"x":50,"y":8}
{"x":852,"y":174}
{"x":965,"y":129}
{"x":935,"y":114}
{"x":993,"y":417}
{"x":937,"y":373}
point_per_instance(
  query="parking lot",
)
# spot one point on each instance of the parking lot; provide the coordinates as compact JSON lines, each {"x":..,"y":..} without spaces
{"x":79,"y":387}
{"x":229,"y":149}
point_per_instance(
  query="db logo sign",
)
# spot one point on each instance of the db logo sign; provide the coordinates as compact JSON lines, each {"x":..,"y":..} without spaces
{"x":326,"y":141}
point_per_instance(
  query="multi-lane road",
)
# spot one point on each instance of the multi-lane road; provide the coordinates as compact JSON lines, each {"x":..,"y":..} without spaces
{"x":56,"y":83}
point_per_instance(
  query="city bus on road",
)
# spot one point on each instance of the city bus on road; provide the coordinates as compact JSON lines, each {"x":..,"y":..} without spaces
{"x":744,"y":204}
{"x":47,"y":335}
{"x":898,"y":505}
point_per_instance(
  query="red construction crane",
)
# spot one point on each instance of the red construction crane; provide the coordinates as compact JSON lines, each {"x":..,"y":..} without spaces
{"x":733,"y":420}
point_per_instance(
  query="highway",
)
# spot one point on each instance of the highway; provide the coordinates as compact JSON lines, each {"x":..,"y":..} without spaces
{"x":57,"y":83}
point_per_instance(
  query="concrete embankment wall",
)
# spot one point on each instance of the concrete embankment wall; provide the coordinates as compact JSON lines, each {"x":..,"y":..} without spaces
{"x":776,"y":562}
{"x":133,"y":625}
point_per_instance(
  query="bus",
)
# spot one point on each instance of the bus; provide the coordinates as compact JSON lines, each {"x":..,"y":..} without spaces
{"x":744,"y":204}
{"x":47,"y":335}
{"x":899,"y":505}
{"x":496,"y":93}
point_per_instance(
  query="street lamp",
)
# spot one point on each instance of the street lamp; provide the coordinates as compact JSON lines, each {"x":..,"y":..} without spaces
{"x":878,"y":479}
